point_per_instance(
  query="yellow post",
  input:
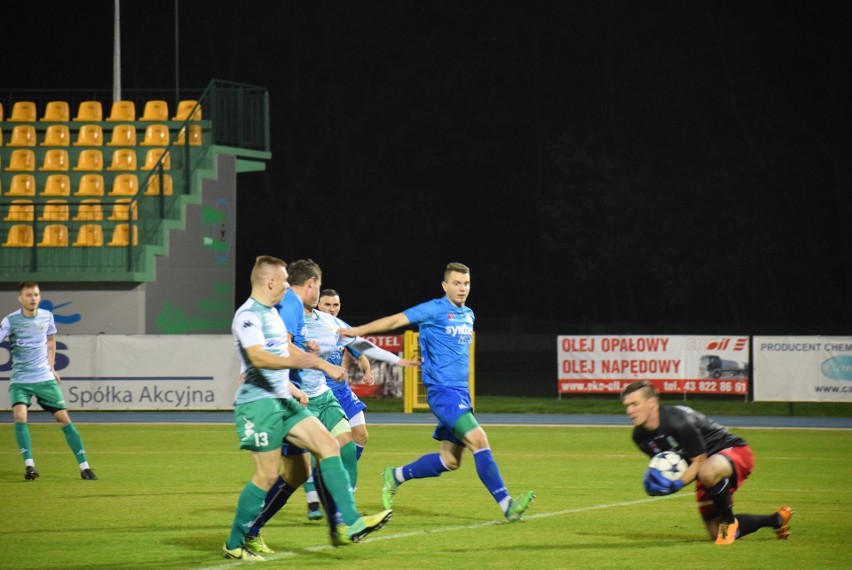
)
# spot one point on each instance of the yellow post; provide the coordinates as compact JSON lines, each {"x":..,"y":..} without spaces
{"x":413,"y":390}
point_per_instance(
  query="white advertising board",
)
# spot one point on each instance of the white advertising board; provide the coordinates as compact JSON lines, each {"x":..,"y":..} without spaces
{"x":803,"y":368}
{"x":140,"y":372}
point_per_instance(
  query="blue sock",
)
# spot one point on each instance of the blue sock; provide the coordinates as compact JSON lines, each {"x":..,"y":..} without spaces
{"x":489,"y":474}
{"x":359,"y":450}
{"x":427,"y":466}
{"x":276,"y":498}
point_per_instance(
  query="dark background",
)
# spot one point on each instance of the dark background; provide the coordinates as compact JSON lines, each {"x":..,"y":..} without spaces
{"x":602,"y":166}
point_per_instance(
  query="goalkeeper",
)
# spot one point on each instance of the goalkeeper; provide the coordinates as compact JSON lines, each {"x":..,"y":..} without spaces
{"x":719,"y":462}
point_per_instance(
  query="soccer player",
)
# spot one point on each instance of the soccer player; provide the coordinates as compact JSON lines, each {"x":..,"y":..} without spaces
{"x":329,"y":302}
{"x":719,"y":462}
{"x":269,"y":410}
{"x":446,"y":332}
{"x":32,"y":334}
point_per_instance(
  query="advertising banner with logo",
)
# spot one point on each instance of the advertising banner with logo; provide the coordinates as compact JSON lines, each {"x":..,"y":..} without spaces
{"x":140,"y":372}
{"x":674,"y":364}
{"x":803,"y":368}
{"x":388,"y":378}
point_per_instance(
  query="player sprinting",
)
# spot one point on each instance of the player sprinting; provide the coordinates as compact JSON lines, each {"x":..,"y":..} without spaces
{"x":446,"y":332}
{"x":32,"y":334}
{"x":719,"y":463}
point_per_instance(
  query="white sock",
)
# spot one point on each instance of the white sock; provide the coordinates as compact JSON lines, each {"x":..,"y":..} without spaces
{"x":504,"y":504}
{"x":84,"y":465}
{"x":29,"y":463}
{"x":397,"y":474}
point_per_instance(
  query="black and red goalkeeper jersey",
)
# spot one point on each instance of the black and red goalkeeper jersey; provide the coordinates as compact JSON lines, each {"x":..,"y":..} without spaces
{"x":686,"y":432}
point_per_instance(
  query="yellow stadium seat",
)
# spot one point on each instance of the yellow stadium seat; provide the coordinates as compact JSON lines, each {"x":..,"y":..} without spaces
{"x":123,"y":159}
{"x":23,"y":112}
{"x":153,"y":187}
{"x":185,"y":107}
{"x":123,"y":208}
{"x":56,"y":111}
{"x":123,"y":135}
{"x":55,"y":160}
{"x":90,"y":112}
{"x":57,"y":135}
{"x":194,"y":136}
{"x":22,"y":185}
{"x":20,"y":235}
{"x":155,"y":111}
{"x":54,"y":211}
{"x":152,"y":158}
{"x":20,"y":211}
{"x":90,"y":185}
{"x":121,"y":235}
{"x":1,"y":111}
{"x":22,"y":160}
{"x":57,"y":185}
{"x":122,"y":111}
{"x":90,"y":135}
{"x":54,"y":235}
{"x":90,"y":159}
{"x":22,"y":135}
{"x":156,"y":135}
{"x":1,"y":135}
{"x":89,"y":235}
{"x":89,"y":211}
{"x":125,"y":185}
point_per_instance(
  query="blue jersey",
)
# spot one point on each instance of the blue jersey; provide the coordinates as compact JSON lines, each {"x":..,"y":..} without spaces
{"x":446,"y":332}
{"x":292,"y":312}
{"x":28,"y":337}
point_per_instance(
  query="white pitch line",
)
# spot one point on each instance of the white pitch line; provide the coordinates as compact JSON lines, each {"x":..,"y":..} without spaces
{"x":426,"y":532}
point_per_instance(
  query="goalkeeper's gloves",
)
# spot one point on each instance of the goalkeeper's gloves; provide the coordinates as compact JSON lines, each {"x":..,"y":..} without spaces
{"x":657,"y":485}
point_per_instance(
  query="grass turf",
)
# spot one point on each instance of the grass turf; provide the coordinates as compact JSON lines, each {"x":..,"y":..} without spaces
{"x":167,"y":495}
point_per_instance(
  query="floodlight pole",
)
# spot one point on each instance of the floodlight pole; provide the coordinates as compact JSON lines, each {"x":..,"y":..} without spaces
{"x":177,"y":58}
{"x":116,"y":54}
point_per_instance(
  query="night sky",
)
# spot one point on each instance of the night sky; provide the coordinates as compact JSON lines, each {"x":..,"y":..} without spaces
{"x":602,"y":166}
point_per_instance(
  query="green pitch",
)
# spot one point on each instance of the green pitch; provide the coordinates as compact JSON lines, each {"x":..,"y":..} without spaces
{"x":167,"y":493}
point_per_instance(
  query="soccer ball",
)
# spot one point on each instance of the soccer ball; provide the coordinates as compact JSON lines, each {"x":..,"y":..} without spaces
{"x":670,"y":464}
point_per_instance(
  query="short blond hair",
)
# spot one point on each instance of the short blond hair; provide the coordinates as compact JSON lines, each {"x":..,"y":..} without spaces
{"x":261,"y":268}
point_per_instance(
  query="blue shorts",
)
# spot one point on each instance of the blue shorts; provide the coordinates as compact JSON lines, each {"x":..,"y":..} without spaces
{"x":448,"y":404}
{"x":348,"y":400}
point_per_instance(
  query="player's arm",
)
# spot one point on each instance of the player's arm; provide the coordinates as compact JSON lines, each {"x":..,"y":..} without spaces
{"x":51,"y":355}
{"x":384,"y":324}
{"x":298,"y":359}
{"x":366,"y":368}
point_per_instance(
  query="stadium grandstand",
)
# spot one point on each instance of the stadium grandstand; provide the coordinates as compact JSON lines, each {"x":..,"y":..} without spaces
{"x":123,"y":202}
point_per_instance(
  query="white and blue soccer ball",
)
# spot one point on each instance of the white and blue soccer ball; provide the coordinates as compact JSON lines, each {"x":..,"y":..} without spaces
{"x":670,"y":464}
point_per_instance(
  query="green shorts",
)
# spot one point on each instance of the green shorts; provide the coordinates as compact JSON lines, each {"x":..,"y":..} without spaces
{"x":329,"y":411}
{"x":47,"y":394}
{"x":263,"y":424}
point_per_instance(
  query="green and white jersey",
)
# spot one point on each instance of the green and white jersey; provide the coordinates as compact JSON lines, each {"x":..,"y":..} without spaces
{"x":324,"y":329}
{"x":28,"y":337}
{"x":256,"y":324}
